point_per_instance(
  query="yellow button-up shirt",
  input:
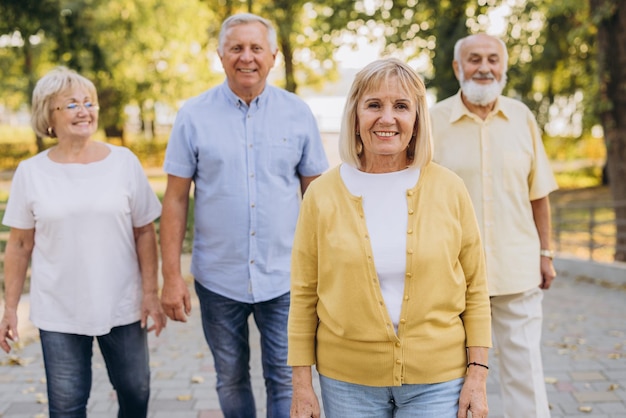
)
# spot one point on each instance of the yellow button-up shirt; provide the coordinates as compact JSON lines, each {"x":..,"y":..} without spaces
{"x":504,"y":165}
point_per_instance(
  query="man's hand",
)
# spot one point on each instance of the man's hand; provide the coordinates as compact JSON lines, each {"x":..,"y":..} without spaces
{"x":175,"y":299}
{"x":547,"y":273}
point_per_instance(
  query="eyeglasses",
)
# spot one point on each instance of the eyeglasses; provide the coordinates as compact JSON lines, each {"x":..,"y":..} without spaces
{"x":74,"y":107}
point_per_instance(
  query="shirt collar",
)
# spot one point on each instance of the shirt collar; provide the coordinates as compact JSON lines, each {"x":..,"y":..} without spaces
{"x":459,"y":110}
{"x":236,"y":101}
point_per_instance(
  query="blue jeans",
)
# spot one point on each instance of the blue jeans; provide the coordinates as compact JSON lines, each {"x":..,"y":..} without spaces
{"x":225,"y":325}
{"x":67,"y":360}
{"x":347,"y":400}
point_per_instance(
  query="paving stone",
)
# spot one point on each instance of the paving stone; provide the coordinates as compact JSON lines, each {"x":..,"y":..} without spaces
{"x":20,"y":407}
{"x":587,"y":376}
{"x":172,"y":405}
{"x":584,"y":350}
{"x":587,"y":397}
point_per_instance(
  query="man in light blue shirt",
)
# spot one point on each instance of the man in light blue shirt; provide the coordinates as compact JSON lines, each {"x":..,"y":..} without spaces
{"x":250,"y":150}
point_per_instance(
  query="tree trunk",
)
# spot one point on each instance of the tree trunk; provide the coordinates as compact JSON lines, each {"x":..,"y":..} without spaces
{"x":114,"y":134}
{"x":450,"y":28}
{"x":290,"y":80}
{"x":29,"y":72}
{"x":282,"y":13}
{"x":611,"y":18}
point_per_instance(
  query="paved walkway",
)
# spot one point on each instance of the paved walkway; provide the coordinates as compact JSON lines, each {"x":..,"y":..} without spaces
{"x":584,"y":347}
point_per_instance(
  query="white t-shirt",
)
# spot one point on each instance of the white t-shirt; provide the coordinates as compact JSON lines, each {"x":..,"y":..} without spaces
{"x":85,"y":276}
{"x":386,"y":215}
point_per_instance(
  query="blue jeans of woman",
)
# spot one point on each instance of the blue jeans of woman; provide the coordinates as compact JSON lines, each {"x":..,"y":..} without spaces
{"x":347,"y":400}
{"x":67,"y":360}
{"x":225,"y":325}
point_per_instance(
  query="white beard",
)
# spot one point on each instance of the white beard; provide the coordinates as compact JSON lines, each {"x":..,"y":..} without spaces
{"x":480,"y":94}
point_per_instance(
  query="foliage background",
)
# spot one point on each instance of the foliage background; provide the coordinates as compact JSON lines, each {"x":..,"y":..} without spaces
{"x":567,"y":60}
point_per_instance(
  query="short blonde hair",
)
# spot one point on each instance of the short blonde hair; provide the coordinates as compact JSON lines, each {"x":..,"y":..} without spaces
{"x":58,"y":80}
{"x":373,"y":76}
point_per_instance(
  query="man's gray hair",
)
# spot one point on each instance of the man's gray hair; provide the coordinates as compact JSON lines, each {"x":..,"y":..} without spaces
{"x":243,"y":19}
{"x":459,"y":43}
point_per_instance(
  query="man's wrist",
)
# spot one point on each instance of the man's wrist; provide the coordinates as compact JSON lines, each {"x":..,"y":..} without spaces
{"x":546,"y":253}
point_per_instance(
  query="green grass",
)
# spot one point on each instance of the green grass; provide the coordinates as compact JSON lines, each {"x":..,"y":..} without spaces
{"x":16,"y":134}
{"x":578,"y":179}
{"x":150,"y":153}
{"x":583,"y":222}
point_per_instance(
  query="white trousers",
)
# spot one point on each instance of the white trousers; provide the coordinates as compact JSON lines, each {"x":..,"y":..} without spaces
{"x":516,"y":321}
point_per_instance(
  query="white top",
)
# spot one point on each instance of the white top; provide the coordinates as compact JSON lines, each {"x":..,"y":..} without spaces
{"x":85,"y":276}
{"x":386,"y":216}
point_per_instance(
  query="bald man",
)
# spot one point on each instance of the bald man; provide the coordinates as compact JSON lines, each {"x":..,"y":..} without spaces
{"x":494,"y":143}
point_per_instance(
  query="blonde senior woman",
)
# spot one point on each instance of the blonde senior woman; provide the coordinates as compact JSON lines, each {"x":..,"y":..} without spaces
{"x":388,"y":296}
{"x":82,"y":213}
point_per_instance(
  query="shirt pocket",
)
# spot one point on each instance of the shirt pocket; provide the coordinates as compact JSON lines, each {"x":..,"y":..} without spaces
{"x":285,"y":155}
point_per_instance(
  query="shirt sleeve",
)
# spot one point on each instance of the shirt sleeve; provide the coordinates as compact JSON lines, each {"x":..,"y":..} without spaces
{"x":541,"y":181}
{"x":145,"y":205}
{"x":303,"y":319}
{"x":477,"y":313}
{"x":314,"y":161}
{"x":18,"y":213}
{"x":181,"y":154}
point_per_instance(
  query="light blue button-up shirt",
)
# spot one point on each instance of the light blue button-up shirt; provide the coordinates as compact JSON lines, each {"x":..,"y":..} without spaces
{"x":245,"y":162}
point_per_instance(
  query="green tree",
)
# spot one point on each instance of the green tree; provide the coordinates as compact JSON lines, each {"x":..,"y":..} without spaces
{"x":609,"y":16}
{"x":128,"y":48}
{"x":147,"y":59}
{"x":308,"y":34}
{"x":421,"y":30}
{"x":579,"y":50}
{"x":25,"y":24}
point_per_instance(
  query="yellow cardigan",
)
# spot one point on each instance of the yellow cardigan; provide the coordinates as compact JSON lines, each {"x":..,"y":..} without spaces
{"x":338,"y":319}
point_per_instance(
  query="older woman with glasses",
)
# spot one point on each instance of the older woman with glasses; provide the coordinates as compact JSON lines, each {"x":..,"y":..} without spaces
{"x":82,"y":213}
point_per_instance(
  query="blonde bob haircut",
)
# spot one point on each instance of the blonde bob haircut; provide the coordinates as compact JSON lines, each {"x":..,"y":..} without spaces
{"x":58,"y":80}
{"x":372,"y":77}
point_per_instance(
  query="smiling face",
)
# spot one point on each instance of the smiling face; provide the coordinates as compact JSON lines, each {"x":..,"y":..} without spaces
{"x":481,"y":69}
{"x":74,"y":122}
{"x":247,"y":58}
{"x":385,"y":124}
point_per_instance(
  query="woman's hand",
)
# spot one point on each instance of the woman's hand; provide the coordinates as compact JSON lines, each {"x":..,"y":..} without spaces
{"x":16,"y":258}
{"x":304,"y":403}
{"x":151,"y":307}
{"x":474,"y":394}
{"x":8,"y":329}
